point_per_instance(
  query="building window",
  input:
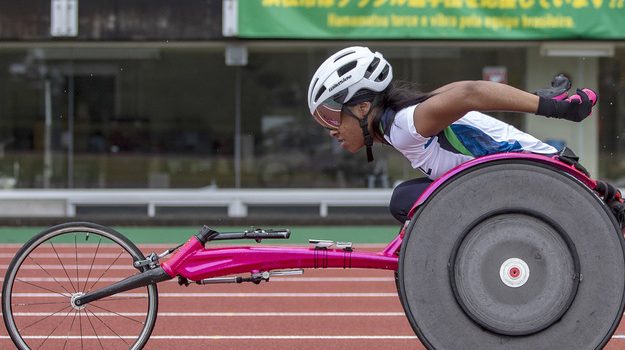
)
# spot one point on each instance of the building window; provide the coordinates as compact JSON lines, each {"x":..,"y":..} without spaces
{"x":163,"y":117}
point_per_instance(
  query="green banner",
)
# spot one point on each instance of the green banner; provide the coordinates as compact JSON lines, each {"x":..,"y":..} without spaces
{"x":433,"y":19}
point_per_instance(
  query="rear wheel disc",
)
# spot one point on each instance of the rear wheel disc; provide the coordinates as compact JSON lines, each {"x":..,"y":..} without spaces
{"x":510,"y":288}
{"x":516,"y":255}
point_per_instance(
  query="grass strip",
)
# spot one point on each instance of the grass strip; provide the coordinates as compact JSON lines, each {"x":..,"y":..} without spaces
{"x":179,"y":234}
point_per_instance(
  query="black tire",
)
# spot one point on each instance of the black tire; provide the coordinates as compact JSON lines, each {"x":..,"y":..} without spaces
{"x":108,"y":320}
{"x":515,"y":255}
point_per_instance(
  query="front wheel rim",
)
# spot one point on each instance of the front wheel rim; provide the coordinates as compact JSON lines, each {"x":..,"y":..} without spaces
{"x":66,"y":285}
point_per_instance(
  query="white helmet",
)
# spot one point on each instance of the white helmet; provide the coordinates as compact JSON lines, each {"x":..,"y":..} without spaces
{"x":351,"y":72}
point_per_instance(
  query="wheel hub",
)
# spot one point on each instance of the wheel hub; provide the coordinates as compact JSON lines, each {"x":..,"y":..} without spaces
{"x":514,"y":272}
{"x":491,"y":279}
{"x":73,"y":301}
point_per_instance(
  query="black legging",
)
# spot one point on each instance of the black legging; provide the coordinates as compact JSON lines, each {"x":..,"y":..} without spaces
{"x":405,"y":195}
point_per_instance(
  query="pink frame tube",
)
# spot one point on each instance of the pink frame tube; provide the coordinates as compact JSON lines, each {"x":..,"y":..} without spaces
{"x":195,"y":262}
{"x":549,"y":160}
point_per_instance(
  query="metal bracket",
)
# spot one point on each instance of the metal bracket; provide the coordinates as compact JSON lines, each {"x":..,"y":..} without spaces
{"x":255,"y":278}
{"x":346,"y":246}
{"x":151,"y":261}
{"x":321,"y":243}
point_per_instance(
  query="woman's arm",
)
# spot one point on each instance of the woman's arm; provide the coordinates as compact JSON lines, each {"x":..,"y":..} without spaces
{"x":450,"y":102}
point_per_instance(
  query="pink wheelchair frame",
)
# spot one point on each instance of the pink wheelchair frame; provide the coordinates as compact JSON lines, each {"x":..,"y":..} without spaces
{"x":193,"y":262}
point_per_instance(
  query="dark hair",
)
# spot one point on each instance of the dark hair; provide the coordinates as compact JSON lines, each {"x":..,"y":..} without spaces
{"x":397,"y":96}
{"x":401,"y":94}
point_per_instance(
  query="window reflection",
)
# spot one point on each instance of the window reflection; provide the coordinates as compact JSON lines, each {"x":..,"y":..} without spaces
{"x":164,"y":117}
{"x":612,"y":117}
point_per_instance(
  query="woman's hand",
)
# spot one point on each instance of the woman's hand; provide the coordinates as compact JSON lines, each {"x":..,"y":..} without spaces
{"x":575,"y":108}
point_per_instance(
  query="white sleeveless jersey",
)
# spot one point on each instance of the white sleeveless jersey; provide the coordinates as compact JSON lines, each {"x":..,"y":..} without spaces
{"x":474,"y":135}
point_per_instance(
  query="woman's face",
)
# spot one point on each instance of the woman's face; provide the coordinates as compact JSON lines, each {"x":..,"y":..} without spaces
{"x":349,"y":133}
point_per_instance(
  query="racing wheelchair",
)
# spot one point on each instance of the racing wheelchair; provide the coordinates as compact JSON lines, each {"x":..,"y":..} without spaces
{"x":514,"y":251}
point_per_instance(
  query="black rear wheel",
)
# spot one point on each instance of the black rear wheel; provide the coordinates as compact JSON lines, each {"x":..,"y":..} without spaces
{"x":513,"y":254}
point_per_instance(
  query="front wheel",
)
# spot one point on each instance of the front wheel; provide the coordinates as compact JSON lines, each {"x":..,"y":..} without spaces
{"x":64,"y":262}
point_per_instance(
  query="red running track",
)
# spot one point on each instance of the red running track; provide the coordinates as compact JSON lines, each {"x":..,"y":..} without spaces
{"x":322,"y":309}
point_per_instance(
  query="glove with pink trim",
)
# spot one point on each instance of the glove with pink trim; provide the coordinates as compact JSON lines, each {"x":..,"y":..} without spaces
{"x":574,"y":108}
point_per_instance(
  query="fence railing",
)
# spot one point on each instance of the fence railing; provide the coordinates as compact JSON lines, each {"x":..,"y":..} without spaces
{"x":236,"y":203}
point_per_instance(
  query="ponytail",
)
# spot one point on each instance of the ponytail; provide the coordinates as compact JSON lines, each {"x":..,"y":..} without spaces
{"x":401,"y":94}
{"x":397,"y":96}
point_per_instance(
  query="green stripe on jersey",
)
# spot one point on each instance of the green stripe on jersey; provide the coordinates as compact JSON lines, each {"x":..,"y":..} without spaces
{"x":455,"y":142}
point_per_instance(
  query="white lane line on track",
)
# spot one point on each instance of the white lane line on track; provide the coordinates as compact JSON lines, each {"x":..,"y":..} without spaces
{"x":73,"y":267}
{"x":245,"y":337}
{"x":65,"y":255}
{"x":232,"y":337}
{"x":87,"y":267}
{"x":226,"y":314}
{"x":65,"y":279}
{"x":15,"y":246}
{"x":273,"y":279}
{"x":229,"y":295}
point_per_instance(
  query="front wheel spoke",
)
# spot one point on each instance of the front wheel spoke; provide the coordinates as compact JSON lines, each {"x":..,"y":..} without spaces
{"x":31,"y":304}
{"x":63,"y":266}
{"x":119,"y":299}
{"x":118,"y":314}
{"x":50,"y":315}
{"x":55,"y":328}
{"x":76,"y":255}
{"x":44,"y":288}
{"x":46,"y":271}
{"x":107,"y":326}
{"x":80,"y":325}
{"x":107,"y":269}
{"x":70,"y":329}
{"x":94,"y":331}
{"x":92,"y":261}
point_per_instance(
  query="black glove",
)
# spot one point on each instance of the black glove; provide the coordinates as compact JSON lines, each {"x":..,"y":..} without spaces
{"x":575,"y":108}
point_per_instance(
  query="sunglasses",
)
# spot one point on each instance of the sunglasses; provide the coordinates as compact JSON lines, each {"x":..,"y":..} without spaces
{"x":328,"y":114}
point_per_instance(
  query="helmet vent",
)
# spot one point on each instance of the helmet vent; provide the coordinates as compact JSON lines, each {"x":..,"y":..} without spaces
{"x":320,"y":92}
{"x":313,"y":84}
{"x":346,"y":68}
{"x":340,"y":97}
{"x":383,"y":74}
{"x":372,"y":67}
{"x":343,"y":55}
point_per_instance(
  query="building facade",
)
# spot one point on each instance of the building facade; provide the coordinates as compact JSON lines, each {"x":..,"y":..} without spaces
{"x":140,"y":95}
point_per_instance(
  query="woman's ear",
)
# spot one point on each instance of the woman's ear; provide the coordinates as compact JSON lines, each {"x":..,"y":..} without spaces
{"x":364,"y":108}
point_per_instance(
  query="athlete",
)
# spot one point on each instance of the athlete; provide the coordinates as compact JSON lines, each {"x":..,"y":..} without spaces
{"x":352,"y":95}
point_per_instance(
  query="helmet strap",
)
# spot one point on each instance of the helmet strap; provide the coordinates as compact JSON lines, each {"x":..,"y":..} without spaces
{"x":364,"y":125}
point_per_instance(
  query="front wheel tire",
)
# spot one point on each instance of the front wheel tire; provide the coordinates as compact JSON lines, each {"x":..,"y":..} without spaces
{"x":61,"y":263}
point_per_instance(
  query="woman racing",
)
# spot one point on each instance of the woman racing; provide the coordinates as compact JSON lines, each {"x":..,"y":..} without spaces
{"x":352,"y":95}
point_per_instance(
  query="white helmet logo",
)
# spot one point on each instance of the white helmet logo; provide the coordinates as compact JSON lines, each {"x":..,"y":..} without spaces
{"x":335,"y":85}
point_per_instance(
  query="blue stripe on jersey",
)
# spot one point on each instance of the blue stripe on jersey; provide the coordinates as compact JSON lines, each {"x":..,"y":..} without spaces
{"x":480,"y":144}
{"x":429,"y":142}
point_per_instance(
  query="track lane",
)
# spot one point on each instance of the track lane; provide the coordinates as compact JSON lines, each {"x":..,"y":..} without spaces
{"x":250,"y":328}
